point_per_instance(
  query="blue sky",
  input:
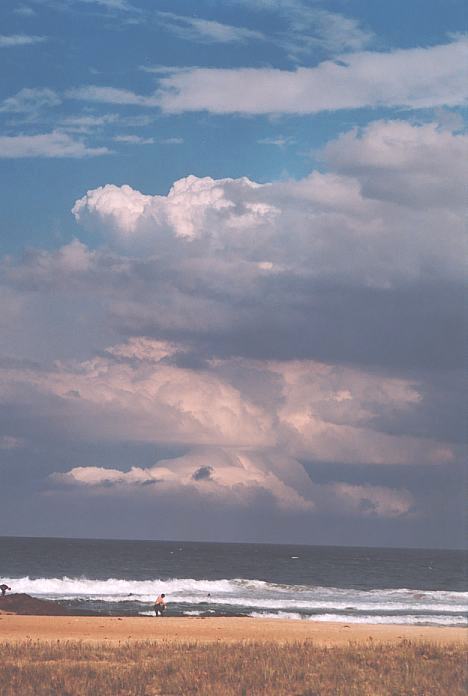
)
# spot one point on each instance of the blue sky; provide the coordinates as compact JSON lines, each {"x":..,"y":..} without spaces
{"x":231,"y":277}
{"x":66,"y":45}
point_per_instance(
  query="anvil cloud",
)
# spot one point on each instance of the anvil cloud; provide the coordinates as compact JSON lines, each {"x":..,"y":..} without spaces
{"x":257,"y":329}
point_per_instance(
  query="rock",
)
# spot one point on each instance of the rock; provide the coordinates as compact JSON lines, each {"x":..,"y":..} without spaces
{"x":25,"y":604}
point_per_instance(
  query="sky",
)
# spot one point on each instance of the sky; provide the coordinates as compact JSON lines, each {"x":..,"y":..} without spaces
{"x":232,"y":270}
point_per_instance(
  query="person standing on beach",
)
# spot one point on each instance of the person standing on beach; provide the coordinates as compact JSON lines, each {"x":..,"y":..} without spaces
{"x":160,"y":605}
{"x":4,"y":588}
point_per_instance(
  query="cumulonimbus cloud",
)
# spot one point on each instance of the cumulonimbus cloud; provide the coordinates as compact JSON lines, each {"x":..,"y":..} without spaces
{"x":255,"y":328}
{"x":401,"y":214}
{"x":251,"y":442}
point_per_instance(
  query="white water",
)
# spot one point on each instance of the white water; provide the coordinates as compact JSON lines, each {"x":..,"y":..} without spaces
{"x":282,"y":601}
{"x":371,"y":619}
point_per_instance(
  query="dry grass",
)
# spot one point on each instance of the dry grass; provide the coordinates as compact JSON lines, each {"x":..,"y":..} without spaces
{"x":73,"y":668}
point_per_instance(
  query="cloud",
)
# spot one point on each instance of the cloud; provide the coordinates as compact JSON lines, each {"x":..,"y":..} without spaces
{"x":25,"y":11}
{"x":228,"y":473}
{"x":432,"y":77}
{"x":122,"y":205}
{"x":121,"y":5}
{"x":133,"y":140}
{"x":186,"y":210}
{"x":9,"y":442}
{"x":412,"y":78}
{"x":246,"y":333}
{"x":352,"y":260}
{"x":280,"y":141}
{"x":236,"y":477}
{"x":390,"y":190}
{"x":302,"y":410}
{"x":88,"y":122}
{"x":54,"y":144}
{"x":171,"y":141}
{"x":333,"y":32}
{"x":376,"y":501}
{"x":19,"y":40}
{"x":30,"y":101}
{"x":139,"y":140}
{"x":206,"y":31}
{"x":396,"y":161}
{"x":451,"y":121}
{"x":309,"y":27}
{"x":110,"y":95}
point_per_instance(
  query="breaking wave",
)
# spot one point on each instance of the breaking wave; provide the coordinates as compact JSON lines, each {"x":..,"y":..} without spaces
{"x":254,"y":598}
{"x":367,"y":619}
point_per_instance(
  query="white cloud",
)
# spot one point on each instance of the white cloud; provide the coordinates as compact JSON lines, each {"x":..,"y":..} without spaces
{"x":233,"y":475}
{"x":25,"y":11}
{"x":30,"y":100}
{"x":87,"y":122}
{"x":54,"y":144}
{"x":335,"y":32}
{"x":187,"y":209}
{"x":279,"y":141}
{"x":206,"y":31}
{"x":90,"y":122}
{"x":123,"y":206}
{"x":110,"y":95}
{"x":19,"y":40}
{"x":309,"y":27}
{"x":171,"y":141}
{"x":412,"y":78}
{"x":111,"y":4}
{"x":391,"y":210}
{"x":133,"y":140}
{"x":397,"y":161}
{"x":236,"y":476}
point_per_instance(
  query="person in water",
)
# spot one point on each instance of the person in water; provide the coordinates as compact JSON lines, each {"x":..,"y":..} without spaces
{"x":160,"y":605}
{"x":4,"y":588}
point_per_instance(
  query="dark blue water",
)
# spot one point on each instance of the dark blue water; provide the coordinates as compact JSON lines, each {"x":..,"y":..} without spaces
{"x":299,"y":582}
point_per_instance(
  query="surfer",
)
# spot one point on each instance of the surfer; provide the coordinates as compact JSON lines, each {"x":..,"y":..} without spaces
{"x":4,"y":589}
{"x":160,"y":605}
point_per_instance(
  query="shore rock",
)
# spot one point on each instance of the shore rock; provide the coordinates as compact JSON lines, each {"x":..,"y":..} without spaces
{"x":27,"y":605}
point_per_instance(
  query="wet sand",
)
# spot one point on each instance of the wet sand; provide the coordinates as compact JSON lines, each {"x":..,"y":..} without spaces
{"x":196,"y":629}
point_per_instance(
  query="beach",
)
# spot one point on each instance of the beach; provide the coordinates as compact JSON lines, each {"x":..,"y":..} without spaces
{"x":136,"y":656}
{"x":241,"y":619}
{"x":216,"y":629}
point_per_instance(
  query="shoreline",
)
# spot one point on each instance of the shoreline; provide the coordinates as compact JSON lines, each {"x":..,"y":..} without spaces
{"x":19,"y":628}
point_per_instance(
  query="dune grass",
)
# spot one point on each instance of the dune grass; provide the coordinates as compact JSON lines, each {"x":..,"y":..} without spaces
{"x":73,"y":668}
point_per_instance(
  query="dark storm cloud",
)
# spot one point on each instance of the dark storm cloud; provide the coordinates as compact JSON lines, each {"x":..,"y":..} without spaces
{"x":418,"y":326}
{"x":292,"y":351}
{"x":285,"y":316}
{"x":203,"y":473}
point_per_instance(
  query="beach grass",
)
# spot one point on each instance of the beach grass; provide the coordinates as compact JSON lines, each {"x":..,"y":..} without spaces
{"x":74,"y":668}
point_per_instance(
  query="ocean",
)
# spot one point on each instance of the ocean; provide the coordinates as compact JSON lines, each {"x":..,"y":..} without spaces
{"x":319,"y":583}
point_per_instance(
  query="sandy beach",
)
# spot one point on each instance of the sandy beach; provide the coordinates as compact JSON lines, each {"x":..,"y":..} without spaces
{"x":232,"y":629}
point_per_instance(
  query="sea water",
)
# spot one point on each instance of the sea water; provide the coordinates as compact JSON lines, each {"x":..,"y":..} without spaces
{"x":319,"y":583}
